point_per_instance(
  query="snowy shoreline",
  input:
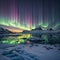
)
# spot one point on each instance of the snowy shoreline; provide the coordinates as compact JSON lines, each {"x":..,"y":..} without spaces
{"x":30,"y":52}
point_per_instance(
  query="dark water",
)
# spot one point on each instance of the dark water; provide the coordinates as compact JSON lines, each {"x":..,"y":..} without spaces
{"x":45,"y":38}
{"x":49,"y":38}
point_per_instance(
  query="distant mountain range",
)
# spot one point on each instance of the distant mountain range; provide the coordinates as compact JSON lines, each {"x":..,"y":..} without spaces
{"x":4,"y":31}
{"x":9,"y":29}
{"x":12,"y":29}
{"x":39,"y":30}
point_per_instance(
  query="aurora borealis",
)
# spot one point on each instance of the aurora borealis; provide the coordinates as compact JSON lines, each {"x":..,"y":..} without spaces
{"x":28,"y":14}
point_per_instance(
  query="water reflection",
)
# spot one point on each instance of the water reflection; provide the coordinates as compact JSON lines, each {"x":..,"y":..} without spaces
{"x":15,"y":39}
{"x":43,"y":38}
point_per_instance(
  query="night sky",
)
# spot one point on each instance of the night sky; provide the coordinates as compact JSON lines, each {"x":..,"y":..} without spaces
{"x":28,"y":14}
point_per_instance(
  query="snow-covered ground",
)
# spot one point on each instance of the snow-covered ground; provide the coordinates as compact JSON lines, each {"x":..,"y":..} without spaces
{"x":29,"y":52}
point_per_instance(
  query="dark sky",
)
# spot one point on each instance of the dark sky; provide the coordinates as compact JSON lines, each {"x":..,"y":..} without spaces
{"x":28,"y":14}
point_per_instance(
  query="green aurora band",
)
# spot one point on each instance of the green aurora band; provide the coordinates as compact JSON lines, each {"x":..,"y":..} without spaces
{"x":30,"y":14}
